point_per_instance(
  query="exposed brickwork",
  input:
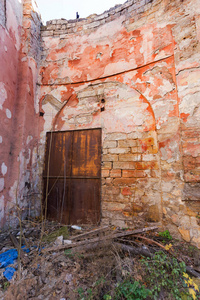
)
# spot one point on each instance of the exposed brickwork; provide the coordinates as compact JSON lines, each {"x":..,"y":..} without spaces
{"x":148,"y":168}
{"x":132,"y":71}
{"x":84,"y":26}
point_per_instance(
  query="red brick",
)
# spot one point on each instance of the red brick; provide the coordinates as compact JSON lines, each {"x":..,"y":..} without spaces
{"x":113,"y":206}
{"x":135,"y":150}
{"x":133,"y":173}
{"x":124,"y":181}
{"x":106,"y":165}
{"x":193,"y":141}
{"x":169,"y":176}
{"x":147,"y":165}
{"x":116,"y":136}
{"x":118,"y":150}
{"x":109,"y":181}
{"x":192,"y":176}
{"x":111,"y":190}
{"x":129,"y":173}
{"x":189,"y":162}
{"x":129,"y":157}
{"x":105,"y":173}
{"x":127,"y":143}
{"x":126,"y":191}
{"x":105,"y":151}
{"x":190,"y":134}
{"x":124,"y":165}
{"x":116,"y":173}
{"x":110,"y":144}
{"x":110,"y":157}
{"x":192,"y":149}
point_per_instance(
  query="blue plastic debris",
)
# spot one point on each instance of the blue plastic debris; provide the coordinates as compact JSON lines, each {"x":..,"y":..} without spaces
{"x":27,"y":250}
{"x":8,"y":273}
{"x":7,"y":258}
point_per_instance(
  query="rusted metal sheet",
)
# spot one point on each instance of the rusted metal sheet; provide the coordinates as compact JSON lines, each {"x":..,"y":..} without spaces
{"x":72,"y":176}
{"x":58,"y":153}
{"x":85,"y":204}
{"x":86,"y":156}
{"x":57,"y":206}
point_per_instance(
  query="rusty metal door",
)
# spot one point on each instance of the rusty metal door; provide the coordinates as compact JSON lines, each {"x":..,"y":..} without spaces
{"x":72,"y":176}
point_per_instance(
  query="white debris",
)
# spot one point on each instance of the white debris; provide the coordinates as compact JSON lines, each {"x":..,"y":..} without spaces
{"x":76,"y":227}
{"x":59,"y":240}
{"x":68,"y":242}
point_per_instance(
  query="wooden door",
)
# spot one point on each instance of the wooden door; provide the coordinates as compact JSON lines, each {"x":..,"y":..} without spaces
{"x":72,"y":176}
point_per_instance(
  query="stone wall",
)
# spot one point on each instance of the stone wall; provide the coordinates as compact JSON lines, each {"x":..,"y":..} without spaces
{"x":19,"y":49}
{"x":142,"y":59}
{"x":132,"y":71}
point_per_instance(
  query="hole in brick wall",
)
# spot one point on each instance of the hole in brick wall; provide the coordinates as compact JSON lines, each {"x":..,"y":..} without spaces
{"x":41,"y":114}
{"x":102,"y":108}
{"x":103,"y":101}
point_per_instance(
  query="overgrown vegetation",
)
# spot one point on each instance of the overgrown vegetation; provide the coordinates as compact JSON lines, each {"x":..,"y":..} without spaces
{"x":163,"y":277}
{"x":131,"y":290}
{"x":106,"y":271}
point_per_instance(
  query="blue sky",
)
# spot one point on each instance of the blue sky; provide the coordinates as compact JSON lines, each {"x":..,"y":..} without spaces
{"x":57,"y":9}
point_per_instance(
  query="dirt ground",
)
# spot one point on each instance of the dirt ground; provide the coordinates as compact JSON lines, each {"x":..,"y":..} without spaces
{"x":87,"y":271}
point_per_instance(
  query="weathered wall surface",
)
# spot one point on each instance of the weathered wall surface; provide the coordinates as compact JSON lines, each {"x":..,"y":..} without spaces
{"x":19,"y":48}
{"x":10,"y":38}
{"x":134,"y":72}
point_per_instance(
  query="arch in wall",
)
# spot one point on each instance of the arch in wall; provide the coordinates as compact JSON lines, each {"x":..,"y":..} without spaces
{"x":128,"y":109}
{"x":130,"y":162}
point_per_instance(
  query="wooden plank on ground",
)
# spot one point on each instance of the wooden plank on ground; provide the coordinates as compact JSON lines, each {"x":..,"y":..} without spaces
{"x":98,"y":239}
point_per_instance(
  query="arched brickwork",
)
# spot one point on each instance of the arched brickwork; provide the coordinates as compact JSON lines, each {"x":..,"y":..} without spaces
{"x":137,"y":45}
{"x":128,"y":139}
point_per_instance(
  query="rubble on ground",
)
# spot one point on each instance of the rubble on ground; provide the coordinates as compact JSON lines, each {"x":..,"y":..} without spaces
{"x":65,"y":262}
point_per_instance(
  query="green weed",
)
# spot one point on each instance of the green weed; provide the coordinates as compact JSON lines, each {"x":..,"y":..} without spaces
{"x":164,"y":275}
{"x":165,"y":234}
{"x":131,"y":290}
{"x":53,"y":235}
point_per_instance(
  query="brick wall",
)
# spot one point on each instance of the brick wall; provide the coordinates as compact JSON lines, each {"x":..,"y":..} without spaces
{"x":150,"y":160}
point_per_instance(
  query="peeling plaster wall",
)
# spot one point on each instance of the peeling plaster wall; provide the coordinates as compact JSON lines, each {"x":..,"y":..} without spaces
{"x":142,"y":58}
{"x":19,"y":49}
{"x":10,"y":36}
{"x":134,"y":72}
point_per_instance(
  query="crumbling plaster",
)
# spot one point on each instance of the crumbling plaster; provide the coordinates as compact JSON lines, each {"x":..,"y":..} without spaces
{"x":143,"y":59}
{"x":19,"y":31}
{"x":151,"y":48}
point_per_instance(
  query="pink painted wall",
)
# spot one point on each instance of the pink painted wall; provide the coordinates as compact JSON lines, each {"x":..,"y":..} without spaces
{"x":10,"y":40}
{"x":19,"y":111}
